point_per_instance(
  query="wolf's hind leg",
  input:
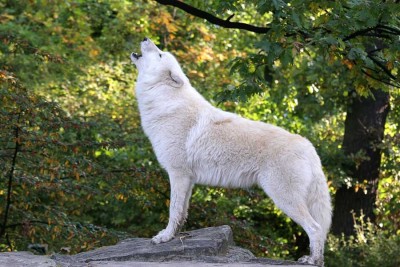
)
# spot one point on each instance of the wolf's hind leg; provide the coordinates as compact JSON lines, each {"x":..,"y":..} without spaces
{"x":294,"y":205}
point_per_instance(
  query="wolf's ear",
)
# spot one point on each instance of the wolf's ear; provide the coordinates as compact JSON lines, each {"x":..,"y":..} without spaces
{"x":174,"y":80}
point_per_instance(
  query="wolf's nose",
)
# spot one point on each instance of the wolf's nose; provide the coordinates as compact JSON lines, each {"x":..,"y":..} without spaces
{"x":145,"y":39}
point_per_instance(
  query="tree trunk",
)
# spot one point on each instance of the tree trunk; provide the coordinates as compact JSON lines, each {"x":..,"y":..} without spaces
{"x":364,"y":129}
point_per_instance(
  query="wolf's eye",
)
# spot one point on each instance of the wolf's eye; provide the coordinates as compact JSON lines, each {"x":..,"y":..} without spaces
{"x":159,"y":55}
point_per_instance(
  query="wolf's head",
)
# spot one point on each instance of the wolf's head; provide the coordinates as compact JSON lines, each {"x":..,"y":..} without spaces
{"x":156,"y":66}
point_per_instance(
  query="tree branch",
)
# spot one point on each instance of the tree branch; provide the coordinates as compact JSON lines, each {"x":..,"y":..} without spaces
{"x":358,"y":33}
{"x":380,"y":31}
{"x":10,"y":178}
{"x":379,"y":80}
{"x":14,"y":225}
{"x":392,"y":30}
{"x":382,"y":66}
{"x":213,"y":19}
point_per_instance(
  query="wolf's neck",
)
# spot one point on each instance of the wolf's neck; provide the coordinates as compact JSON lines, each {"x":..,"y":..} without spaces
{"x":164,"y":101}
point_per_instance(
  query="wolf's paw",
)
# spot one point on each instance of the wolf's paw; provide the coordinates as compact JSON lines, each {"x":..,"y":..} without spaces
{"x":162,"y":237}
{"x":309,"y":260}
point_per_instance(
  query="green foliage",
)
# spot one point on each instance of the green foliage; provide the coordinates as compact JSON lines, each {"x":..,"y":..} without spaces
{"x":44,"y":161}
{"x":370,"y":246}
{"x":67,"y":150}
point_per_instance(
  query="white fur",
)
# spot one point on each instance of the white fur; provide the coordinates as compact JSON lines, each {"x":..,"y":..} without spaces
{"x":197,"y":143}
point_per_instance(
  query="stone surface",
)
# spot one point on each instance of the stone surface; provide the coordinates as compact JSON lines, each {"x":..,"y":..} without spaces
{"x":205,"y":247}
{"x":182,"y":264}
{"x":214,"y":244}
{"x":25,"y":259}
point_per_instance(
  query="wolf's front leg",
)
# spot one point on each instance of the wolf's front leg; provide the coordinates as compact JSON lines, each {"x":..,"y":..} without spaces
{"x":181,"y":190}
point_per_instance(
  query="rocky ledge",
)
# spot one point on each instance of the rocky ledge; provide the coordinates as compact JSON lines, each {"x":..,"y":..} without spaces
{"x":212,"y":246}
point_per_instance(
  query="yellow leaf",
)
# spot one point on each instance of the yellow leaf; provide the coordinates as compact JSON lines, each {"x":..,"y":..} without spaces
{"x":348,"y":63}
{"x":356,"y":188}
{"x":6,"y":17}
{"x":94,"y":52}
{"x":171,"y":28}
{"x":71,"y":235}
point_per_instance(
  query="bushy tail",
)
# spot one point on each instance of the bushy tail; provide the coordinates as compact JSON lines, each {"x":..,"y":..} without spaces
{"x":319,"y":200}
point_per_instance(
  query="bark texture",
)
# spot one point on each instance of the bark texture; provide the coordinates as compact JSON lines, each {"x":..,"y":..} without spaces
{"x":364,"y":131}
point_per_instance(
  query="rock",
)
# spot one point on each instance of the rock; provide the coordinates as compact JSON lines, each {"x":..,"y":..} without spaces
{"x":214,"y":244}
{"x":205,"y":247}
{"x":182,"y":264}
{"x":25,"y":259}
{"x":39,"y":249}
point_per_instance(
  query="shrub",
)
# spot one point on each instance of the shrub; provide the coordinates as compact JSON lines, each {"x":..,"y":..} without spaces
{"x":369,"y":246}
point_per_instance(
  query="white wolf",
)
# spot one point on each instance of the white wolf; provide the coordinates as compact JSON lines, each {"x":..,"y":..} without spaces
{"x":198,"y":143}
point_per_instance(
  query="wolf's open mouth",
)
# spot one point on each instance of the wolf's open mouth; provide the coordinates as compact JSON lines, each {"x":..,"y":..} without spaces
{"x":136,"y":55}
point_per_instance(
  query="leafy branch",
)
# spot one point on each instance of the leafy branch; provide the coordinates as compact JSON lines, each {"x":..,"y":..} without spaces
{"x":213,"y":19}
{"x":380,"y":31}
{"x":382,"y":66}
{"x":28,"y":47}
{"x":378,"y":79}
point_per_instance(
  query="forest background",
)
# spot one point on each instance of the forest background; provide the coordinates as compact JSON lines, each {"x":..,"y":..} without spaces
{"x":77,"y":171}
